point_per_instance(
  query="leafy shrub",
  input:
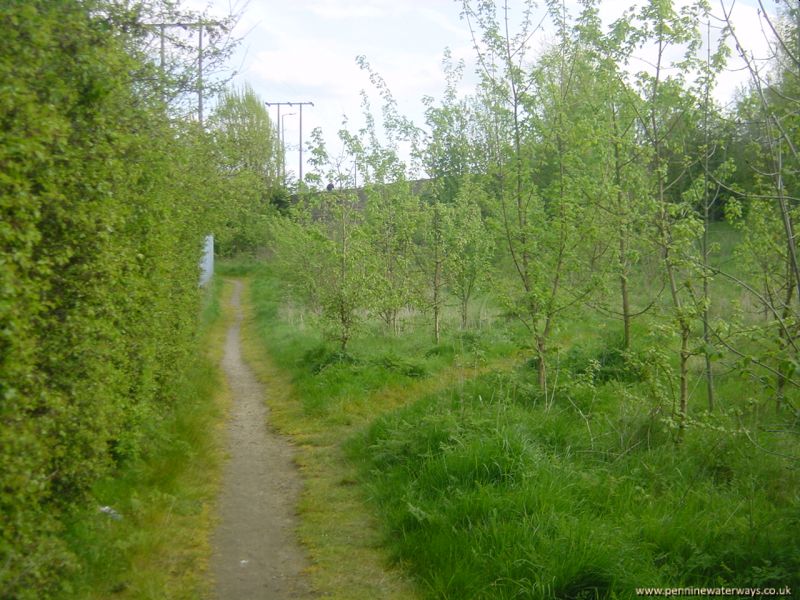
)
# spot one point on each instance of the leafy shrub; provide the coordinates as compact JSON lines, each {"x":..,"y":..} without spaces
{"x":611,"y":363}
{"x":392,"y":362}
{"x":321,"y":357}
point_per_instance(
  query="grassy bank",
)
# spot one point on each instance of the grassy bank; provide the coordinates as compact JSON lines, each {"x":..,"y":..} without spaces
{"x":321,"y":398}
{"x":148,"y":535}
{"x":486,"y":492}
{"x":448,"y":462}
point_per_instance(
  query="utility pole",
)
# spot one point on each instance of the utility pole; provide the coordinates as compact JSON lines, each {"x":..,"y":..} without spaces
{"x":200,"y":75}
{"x":282,"y":134}
{"x":301,"y":136}
{"x":300,"y":104}
{"x":161,"y":64}
{"x":200,"y":25}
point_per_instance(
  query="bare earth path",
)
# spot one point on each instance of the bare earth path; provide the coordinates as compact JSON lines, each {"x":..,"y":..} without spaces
{"x":255,"y":553}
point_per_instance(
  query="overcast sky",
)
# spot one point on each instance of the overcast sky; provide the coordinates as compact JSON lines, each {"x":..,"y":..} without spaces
{"x":305,"y":50}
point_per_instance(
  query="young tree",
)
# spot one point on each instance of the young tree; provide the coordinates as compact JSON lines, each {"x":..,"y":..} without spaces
{"x":453,"y":145}
{"x":326,"y":252}
{"x":770,"y":123}
{"x":542,"y":155}
{"x":470,"y":244}
{"x":391,"y":214}
{"x":664,"y":121}
{"x":618,"y":169}
{"x":391,"y":209}
{"x":433,"y":256}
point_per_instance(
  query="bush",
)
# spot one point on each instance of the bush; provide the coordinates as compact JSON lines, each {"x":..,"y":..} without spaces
{"x":611,"y":363}
{"x":320,"y":358}
{"x":101,"y":225}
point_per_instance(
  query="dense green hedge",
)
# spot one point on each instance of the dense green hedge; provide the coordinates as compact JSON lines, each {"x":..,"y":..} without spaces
{"x":101,"y":226}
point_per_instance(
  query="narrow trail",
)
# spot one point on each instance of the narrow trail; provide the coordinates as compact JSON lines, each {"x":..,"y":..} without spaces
{"x":255,"y":553}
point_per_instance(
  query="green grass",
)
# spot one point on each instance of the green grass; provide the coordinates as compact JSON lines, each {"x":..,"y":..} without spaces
{"x":321,"y":397}
{"x":235,"y":267}
{"x":481,"y":486}
{"x":157,"y":544}
{"x":487,"y":495}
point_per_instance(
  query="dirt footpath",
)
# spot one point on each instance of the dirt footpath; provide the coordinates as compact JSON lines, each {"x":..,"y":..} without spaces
{"x":255,"y":553}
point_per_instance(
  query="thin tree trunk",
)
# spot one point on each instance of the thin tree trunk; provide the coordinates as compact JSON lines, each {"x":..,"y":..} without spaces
{"x":344,"y":320}
{"x":684,"y":376}
{"x":783,"y":337}
{"x":626,"y":307}
{"x":666,"y":241}
{"x":344,"y":317}
{"x":437,"y":277}
{"x":685,"y":329}
{"x":707,"y":330}
{"x":623,"y":261}
{"x":542,"y":369}
{"x":706,"y":224}
{"x":436,"y":322}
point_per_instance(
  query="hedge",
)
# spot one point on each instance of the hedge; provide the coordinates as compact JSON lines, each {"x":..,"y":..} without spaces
{"x":102,"y":216}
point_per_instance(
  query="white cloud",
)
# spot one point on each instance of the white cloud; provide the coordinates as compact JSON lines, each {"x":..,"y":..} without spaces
{"x":305,"y":50}
{"x":349,"y":9}
{"x":319,"y":65}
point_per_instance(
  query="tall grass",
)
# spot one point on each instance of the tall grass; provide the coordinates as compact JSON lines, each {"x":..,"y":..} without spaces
{"x":488,"y":495}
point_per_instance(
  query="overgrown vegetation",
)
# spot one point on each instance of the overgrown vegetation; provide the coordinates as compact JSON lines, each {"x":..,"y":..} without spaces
{"x":528,"y":341}
{"x":488,"y":488}
{"x":489,"y":495}
{"x":107,"y":190}
{"x":146,"y":535}
{"x":649,"y":434}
